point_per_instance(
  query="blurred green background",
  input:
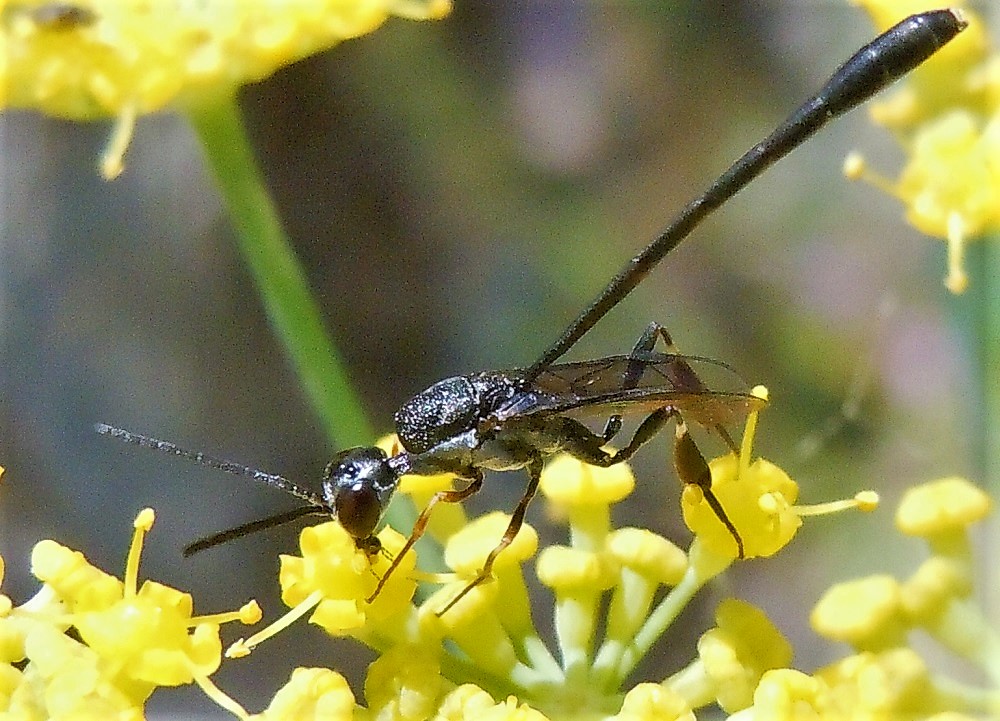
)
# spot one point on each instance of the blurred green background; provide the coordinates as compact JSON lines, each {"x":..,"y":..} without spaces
{"x":457,"y":191}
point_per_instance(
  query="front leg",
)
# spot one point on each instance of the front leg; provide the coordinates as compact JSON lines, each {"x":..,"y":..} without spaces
{"x":516,"y":521}
{"x":452,"y":496}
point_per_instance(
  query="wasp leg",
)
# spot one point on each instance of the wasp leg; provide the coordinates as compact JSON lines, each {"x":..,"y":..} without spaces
{"x":682,"y":375}
{"x":633,"y":371}
{"x":516,"y":521}
{"x":454,"y":496}
{"x":693,"y":469}
{"x":584,"y":445}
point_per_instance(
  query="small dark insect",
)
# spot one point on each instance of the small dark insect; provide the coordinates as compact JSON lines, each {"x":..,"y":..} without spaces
{"x":56,"y":15}
{"x":499,"y":420}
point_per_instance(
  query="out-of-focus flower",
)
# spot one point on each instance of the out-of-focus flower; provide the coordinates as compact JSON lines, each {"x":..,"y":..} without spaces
{"x":947,"y":117}
{"x":88,"y":59}
{"x":122,"y":59}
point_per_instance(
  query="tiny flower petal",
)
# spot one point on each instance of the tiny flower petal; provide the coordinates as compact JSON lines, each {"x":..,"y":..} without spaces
{"x":567,"y":481}
{"x":866,"y":613}
{"x":941,"y":507}
{"x":653,"y":702}
{"x":312,"y":693}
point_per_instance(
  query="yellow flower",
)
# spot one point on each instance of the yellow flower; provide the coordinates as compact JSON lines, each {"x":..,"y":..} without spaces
{"x":335,"y":577}
{"x":942,"y":512}
{"x":125,"y":639}
{"x":136,"y":56}
{"x":759,"y":502}
{"x":785,"y":694}
{"x":471,"y":703}
{"x":404,"y":683}
{"x":732,"y":657}
{"x":653,"y":702}
{"x":866,"y":613}
{"x":312,"y":693}
{"x":888,"y":679}
{"x":888,"y":685}
{"x":756,"y":497}
{"x":92,"y":59}
{"x":66,"y":679}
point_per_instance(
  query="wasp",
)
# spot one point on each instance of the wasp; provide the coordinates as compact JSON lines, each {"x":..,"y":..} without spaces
{"x":510,"y":420}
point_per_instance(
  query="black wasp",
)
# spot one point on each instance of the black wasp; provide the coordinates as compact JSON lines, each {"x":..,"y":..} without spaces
{"x":497,"y":420}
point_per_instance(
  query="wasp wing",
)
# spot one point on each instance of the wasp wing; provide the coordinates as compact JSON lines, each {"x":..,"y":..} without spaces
{"x":639,"y":384}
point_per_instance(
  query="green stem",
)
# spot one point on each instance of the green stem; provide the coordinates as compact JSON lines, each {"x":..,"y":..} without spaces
{"x":976,"y":315}
{"x":280,"y":279}
{"x":987,"y":276}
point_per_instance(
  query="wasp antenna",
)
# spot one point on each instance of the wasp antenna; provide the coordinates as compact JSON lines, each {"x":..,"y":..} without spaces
{"x":262,"y":524}
{"x":236,"y":469}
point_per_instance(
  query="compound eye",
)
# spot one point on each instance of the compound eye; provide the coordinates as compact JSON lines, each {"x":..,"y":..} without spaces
{"x":358,"y":485}
{"x":358,"y":510}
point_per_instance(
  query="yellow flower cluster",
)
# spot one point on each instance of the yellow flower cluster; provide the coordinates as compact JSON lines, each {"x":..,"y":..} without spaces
{"x":90,"y":646}
{"x":87,"y":59}
{"x":947,"y":117}
{"x":616,"y":592}
{"x":121,"y":59}
{"x":886,"y":679}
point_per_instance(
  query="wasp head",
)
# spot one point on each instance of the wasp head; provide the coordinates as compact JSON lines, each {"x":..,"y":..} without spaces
{"x":358,"y":484}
